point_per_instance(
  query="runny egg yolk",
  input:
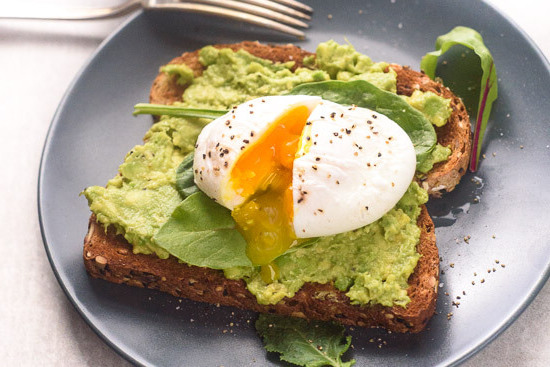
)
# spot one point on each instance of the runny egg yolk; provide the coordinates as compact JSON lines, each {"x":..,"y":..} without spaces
{"x":263,"y":175}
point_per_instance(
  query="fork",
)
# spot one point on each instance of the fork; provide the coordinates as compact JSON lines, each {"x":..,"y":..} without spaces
{"x":279,"y":15}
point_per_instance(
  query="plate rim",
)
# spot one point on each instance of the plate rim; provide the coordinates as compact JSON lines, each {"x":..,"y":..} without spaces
{"x":47,"y":142}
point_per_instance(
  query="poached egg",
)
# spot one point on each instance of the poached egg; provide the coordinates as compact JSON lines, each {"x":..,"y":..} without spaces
{"x":295,"y":167}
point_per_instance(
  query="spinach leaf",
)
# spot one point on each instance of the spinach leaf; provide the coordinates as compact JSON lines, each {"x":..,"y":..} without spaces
{"x":487,"y":91}
{"x":201,"y":232}
{"x":185,"y":179}
{"x":365,"y":94}
{"x":309,"y":344}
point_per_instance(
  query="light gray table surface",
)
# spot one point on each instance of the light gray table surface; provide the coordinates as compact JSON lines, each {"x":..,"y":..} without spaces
{"x":38,"y":324}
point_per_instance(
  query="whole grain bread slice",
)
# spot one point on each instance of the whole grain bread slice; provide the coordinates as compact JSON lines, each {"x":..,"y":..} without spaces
{"x":456,"y":133}
{"x":109,"y":256}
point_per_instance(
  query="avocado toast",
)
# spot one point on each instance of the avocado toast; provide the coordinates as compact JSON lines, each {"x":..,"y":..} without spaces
{"x":109,"y":256}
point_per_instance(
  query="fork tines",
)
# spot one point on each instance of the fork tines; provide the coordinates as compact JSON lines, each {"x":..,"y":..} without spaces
{"x":279,"y":15}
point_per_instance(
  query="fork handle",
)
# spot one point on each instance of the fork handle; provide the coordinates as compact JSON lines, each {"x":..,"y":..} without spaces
{"x":44,"y":12}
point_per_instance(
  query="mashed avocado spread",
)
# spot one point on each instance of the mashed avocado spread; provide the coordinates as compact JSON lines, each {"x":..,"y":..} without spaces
{"x":371,"y":264}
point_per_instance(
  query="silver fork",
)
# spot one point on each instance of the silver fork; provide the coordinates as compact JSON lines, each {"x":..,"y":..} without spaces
{"x":279,"y":15}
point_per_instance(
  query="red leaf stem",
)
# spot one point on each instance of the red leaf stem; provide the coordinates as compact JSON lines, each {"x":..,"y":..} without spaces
{"x":479,"y":119}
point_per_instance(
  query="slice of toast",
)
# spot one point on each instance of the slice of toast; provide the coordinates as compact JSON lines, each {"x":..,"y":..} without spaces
{"x":456,"y":132}
{"x":108,"y":256}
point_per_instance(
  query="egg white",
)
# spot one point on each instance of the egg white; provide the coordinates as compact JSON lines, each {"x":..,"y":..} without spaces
{"x":353,"y":166}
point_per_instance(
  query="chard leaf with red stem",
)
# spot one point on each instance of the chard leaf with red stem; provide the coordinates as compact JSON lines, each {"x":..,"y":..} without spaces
{"x":478,"y":98}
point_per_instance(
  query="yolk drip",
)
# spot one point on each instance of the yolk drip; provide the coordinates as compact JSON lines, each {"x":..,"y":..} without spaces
{"x":263,"y":174}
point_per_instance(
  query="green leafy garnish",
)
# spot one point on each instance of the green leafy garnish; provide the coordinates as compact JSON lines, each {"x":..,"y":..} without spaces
{"x":309,"y":344}
{"x":201,"y":232}
{"x":365,"y":94}
{"x":185,"y":178}
{"x":176,"y":111}
{"x":487,"y":92}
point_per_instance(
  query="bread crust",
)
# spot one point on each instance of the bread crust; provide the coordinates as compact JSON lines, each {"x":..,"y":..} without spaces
{"x":109,"y":256}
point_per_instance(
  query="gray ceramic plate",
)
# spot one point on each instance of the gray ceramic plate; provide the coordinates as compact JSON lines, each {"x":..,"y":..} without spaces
{"x":93,"y":129}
